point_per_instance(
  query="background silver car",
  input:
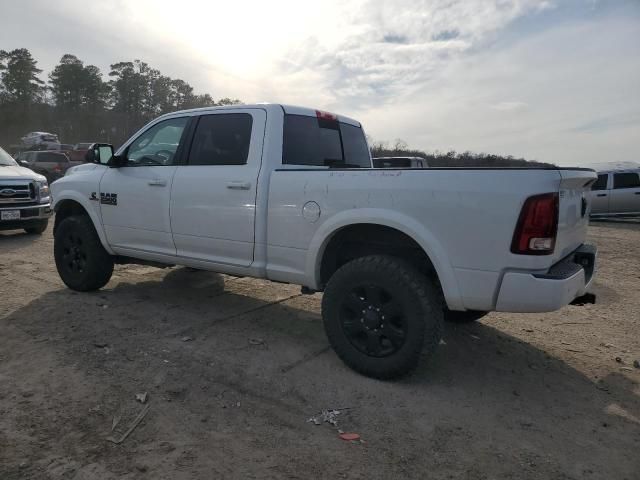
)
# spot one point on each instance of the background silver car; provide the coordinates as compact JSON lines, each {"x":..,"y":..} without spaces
{"x":616,"y":193}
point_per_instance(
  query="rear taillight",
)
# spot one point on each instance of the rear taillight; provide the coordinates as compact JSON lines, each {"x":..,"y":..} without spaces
{"x":537,"y":226}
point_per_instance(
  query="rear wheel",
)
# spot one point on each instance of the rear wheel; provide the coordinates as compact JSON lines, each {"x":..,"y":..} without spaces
{"x":379,"y":315}
{"x":38,"y":228}
{"x":82,"y":262}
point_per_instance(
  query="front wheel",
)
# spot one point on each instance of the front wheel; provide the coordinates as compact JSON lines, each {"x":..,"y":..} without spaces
{"x":380,"y":313}
{"x":82,"y":262}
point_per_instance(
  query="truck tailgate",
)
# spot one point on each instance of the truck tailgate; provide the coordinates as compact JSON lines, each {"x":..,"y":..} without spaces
{"x":574,"y":210}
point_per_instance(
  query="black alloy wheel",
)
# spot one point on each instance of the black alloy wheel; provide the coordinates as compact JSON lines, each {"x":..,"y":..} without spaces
{"x":373,"y":321}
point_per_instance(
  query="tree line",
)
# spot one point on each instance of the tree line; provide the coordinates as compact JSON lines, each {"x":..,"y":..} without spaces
{"x":80,"y":105}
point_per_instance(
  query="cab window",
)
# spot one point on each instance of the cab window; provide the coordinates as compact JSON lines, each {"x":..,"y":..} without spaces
{"x":601,"y":182}
{"x":626,"y":180}
{"x":221,"y":139}
{"x":157,"y":145}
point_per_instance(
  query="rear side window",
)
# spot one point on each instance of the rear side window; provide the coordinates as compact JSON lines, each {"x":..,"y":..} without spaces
{"x":221,"y":139}
{"x":323,"y":143}
{"x":626,"y":180}
{"x":600,"y":183}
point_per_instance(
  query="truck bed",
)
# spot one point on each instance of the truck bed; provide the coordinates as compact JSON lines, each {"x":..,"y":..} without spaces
{"x":464,"y":218}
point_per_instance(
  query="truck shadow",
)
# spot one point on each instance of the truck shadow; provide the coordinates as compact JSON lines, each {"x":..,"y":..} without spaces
{"x":191,"y":341}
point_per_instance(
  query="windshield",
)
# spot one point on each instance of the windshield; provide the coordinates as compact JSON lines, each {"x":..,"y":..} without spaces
{"x":6,"y":160}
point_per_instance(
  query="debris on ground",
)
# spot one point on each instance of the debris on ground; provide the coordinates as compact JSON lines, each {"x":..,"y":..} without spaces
{"x":328,"y":416}
{"x":350,"y":437}
{"x":256,"y":341}
{"x":141,"y":397}
{"x":134,"y":424}
{"x":187,"y":339}
{"x":116,"y":420}
{"x":636,"y":363}
{"x":618,"y":359}
{"x":100,"y":344}
{"x":475,"y":337}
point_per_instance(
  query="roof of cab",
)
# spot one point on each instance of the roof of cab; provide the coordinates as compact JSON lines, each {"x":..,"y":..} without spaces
{"x":289,"y":109}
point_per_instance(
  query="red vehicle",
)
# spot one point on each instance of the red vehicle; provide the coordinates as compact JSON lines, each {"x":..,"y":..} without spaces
{"x":79,"y":151}
{"x":52,"y":165}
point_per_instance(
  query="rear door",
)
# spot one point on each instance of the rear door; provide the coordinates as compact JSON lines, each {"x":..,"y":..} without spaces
{"x":625,"y":195}
{"x":600,"y":195}
{"x":213,"y":199}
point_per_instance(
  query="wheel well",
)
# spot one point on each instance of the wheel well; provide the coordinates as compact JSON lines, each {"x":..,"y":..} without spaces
{"x":67,"y":208}
{"x":361,"y":240}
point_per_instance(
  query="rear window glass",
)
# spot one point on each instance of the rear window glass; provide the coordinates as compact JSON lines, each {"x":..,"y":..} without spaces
{"x":601,"y":183}
{"x":626,"y":180}
{"x":322,"y":143}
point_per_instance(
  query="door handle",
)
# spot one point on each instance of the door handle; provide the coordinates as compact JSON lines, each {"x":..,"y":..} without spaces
{"x":239,"y":185}
{"x":601,"y":195}
{"x":158,"y":182}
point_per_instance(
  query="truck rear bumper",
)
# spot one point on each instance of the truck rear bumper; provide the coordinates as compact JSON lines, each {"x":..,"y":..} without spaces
{"x":535,"y":292}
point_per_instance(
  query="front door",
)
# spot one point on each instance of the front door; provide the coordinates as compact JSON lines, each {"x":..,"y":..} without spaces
{"x":134,"y":199}
{"x":600,"y":195}
{"x":213,"y":200}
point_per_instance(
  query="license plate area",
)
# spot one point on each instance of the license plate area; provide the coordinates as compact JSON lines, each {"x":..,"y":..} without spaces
{"x":10,"y":215}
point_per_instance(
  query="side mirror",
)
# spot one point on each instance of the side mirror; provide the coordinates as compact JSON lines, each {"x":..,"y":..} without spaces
{"x":99,"y":153}
{"x":24,"y":163}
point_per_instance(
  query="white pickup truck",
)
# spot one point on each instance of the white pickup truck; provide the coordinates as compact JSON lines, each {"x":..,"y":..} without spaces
{"x":288,"y":194}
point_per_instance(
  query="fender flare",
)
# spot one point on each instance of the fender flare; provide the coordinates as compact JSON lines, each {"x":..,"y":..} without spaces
{"x":398,"y":221}
{"x":86,"y":204}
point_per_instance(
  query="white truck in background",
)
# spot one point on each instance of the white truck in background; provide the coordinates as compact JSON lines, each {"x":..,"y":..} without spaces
{"x":288,"y":194}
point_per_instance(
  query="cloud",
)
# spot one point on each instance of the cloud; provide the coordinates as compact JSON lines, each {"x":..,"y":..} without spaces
{"x":421,"y":39}
{"x":554,"y":81}
{"x":601,"y":124}
{"x":509,"y":106}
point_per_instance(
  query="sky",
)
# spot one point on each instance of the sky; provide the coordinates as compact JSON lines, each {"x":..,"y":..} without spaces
{"x":555,"y":81}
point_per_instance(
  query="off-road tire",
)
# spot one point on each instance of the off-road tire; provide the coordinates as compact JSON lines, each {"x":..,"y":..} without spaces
{"x":82,"y":262}
{"x":418,"y":297}
{"x":37,"y":229}
{"x":463,"y":317}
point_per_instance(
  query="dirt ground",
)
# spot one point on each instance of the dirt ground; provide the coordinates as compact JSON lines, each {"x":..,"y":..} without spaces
{"x":234,"y":368}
